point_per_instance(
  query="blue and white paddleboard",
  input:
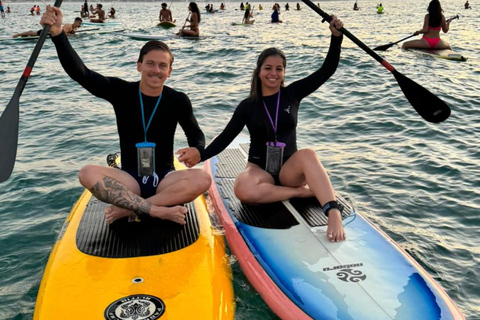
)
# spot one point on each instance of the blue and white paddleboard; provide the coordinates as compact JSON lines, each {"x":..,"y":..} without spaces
{"x":284,"y":252}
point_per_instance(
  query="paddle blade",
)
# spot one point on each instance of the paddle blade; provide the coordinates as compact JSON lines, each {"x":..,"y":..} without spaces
{"x":428,"y":105}
{"x":8,"y":138}
{"x":384,"y":47}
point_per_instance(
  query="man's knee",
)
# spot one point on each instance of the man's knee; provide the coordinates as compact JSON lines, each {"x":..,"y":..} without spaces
{"x":202,"y":181}
{"x":87,"y":175}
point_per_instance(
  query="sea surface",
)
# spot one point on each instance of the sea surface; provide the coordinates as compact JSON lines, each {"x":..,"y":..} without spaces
{"x":419,"y":182}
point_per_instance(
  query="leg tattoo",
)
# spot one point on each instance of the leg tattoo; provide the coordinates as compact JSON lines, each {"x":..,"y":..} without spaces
{"x":111,"y":191}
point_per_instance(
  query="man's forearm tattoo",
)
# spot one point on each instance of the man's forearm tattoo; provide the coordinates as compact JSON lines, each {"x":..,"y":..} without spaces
{"x":111,"y":191}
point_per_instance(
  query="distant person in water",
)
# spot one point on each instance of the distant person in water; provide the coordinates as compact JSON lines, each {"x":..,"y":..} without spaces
{"x":433,"y":22}
{"x":287,"y":7}
{"x":298,"y":6}
{"x":165,"y":13}
{"x":247,"y":17}
{"x":101,"y":14}
{"x":112,"y":12}
{"x":275,"y":14}
{"x":192,"y":30}
{"x":222,"y":6}
{"x":69,"y":29}
{"x":380,"y":8}
{"x":37,"y":10}
{"x":355,"y":6}
{"x":467,"y":5}
{"x":85,"y":13}
{"x":2,"y":10}
{"x":242,"y":7}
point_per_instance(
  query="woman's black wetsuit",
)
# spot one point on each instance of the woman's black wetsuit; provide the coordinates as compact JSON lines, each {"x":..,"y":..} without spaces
{"x":254,"y":116}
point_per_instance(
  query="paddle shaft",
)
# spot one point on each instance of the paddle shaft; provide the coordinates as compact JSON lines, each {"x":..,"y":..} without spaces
{"x":359,"y":43}
{"x":10,"y":117}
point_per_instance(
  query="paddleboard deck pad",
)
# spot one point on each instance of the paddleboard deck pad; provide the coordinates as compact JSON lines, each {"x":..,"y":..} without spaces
{"x":283,"y":250}
{"x":152,"y":269}
{"x":444,"y":54}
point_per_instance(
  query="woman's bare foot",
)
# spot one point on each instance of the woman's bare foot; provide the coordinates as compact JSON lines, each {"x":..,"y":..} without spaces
{"x":176,"y":214}
{"x":113,"y":213}
{"x":335,"y":232}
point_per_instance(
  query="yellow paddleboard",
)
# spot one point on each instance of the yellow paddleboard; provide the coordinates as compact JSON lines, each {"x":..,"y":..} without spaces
{"x":147,"y":270}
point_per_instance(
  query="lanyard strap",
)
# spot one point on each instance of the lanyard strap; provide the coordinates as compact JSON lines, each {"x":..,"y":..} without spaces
{"x":276,"y":116}
{"x":143,"y":114}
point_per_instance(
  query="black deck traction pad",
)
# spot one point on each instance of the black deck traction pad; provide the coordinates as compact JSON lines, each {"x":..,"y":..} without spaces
{"x":312,"y":212}
{"x":123,"y":239}
{"x":274,"y":215}
{"x":270,"y":216}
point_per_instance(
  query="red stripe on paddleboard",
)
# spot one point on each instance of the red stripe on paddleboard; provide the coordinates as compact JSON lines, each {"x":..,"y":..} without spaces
{"x":272,"y":295}
{"x":27,"y":71}
{"x":388,"y":66}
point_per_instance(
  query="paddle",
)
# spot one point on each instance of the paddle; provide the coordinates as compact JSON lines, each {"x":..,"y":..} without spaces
{"x":428,"y":105}
{"x":386,"y":46}
{"x":10,"y":116}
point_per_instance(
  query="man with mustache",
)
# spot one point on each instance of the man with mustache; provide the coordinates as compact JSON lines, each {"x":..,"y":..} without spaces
{"x":147,"y":114}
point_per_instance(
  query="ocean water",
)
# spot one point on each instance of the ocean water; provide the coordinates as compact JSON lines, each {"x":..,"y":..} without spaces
{"x":419,"y":182}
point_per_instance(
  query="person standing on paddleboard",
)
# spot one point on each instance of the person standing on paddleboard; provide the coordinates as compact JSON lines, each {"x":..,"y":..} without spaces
{"x":147,"y":114}
{"x":276,"y":169}
{"x":433,"y":22}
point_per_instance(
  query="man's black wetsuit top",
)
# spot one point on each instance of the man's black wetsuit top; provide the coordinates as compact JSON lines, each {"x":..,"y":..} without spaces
{"x":175,"y":107}
{"x":254,"y":116}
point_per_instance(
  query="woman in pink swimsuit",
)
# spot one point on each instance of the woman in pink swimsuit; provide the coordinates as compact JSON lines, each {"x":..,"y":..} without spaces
{"x":433,"y":23}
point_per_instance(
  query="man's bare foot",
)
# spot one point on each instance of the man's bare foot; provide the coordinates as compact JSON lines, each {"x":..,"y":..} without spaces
{"x":335,"y":232}
{"x":113,"y":213}
{"x":176,"y":214}
{"x":305,"y":192}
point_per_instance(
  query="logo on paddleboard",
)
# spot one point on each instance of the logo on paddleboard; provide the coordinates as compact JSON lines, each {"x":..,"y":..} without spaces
{"x":136,"y":307}
{"x":347,"y":273}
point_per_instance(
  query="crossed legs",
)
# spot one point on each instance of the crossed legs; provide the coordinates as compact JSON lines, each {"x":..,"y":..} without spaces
{"x":122,"y":191}
{"x":256,"y":186}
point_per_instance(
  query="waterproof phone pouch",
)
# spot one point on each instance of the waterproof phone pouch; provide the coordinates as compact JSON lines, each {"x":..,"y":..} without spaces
{"x":274,"y":157}
{"x":146,"y":158}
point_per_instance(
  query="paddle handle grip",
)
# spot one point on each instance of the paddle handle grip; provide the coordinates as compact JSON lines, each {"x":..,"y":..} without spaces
{"x":359,"y":43}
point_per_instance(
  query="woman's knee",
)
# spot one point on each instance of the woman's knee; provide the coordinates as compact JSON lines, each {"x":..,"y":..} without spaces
{"x":246,"y":193}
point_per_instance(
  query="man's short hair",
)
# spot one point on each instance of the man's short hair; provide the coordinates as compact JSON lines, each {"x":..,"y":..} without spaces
{"x":154,"y":45}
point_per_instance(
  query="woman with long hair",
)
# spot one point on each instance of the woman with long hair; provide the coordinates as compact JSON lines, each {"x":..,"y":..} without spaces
{"x":194,"y":19}
{"x":434,"y":22}
{"x":276,"y":169}
{"x":247,"y":17}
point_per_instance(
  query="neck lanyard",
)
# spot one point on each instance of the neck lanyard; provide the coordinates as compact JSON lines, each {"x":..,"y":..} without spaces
{"x":143,"y":114}
{"x":276,"y":116}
